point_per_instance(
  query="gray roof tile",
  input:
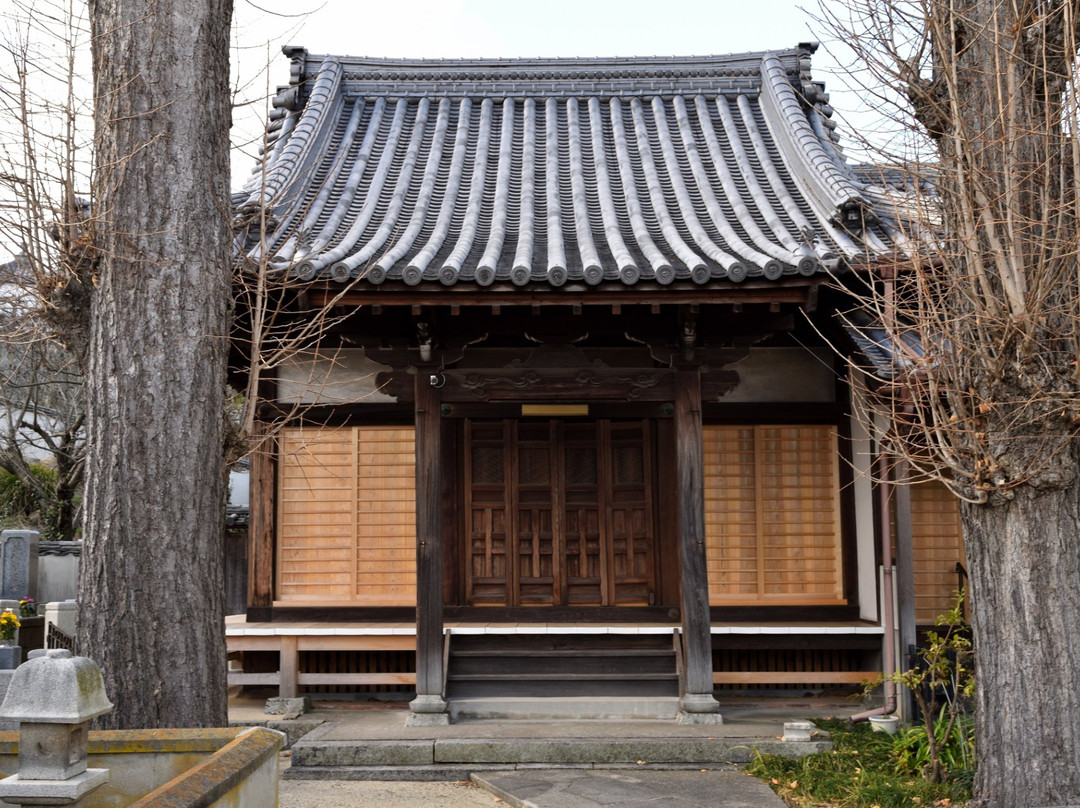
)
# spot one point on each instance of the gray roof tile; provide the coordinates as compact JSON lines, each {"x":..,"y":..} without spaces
{"x":529,"y":170}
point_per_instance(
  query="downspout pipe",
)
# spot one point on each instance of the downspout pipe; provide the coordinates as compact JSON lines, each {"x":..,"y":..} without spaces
{"x":887,"y":585}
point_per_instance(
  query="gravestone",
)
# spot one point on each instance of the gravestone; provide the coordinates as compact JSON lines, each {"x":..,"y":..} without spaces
{"x":18,"y":564}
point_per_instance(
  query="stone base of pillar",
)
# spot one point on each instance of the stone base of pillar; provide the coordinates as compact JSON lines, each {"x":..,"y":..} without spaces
{"x":427,"y":711}
{"x":699,"y":718}
{"x":699,"y":708}
{"x":427,"y":720}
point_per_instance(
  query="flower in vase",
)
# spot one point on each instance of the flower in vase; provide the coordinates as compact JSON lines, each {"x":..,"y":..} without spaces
{"x":9,"y":624}
{"x":27,"y":607}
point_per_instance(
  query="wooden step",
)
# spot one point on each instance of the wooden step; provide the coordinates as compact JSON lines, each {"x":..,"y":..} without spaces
{"x":559,"y":677}
{"x":559,"y":652}
{"x":561,"y":665}
{"x":562,"y":688}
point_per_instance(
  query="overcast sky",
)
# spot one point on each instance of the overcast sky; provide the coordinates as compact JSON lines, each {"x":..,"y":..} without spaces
{"x":504,"y":28}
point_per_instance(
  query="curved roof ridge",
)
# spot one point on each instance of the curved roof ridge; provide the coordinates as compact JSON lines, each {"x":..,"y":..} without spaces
{"x":551,"y":62}
{"x":816,"y":172}
{"x":305,"y":133}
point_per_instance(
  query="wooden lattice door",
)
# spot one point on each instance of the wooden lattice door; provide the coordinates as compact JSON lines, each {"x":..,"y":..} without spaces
{"x":559,"y":513}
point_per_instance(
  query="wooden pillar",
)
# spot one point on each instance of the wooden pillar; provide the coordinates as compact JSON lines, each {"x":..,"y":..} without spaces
{"x":905,"y":577}
{"x":429,"y":706}
{"x":262,"y":491}
{"x":289,"y":667}
{"x":697,"y":702}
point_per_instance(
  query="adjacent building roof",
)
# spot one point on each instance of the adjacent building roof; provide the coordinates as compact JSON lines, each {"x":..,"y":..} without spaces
{"x":715,"y":168}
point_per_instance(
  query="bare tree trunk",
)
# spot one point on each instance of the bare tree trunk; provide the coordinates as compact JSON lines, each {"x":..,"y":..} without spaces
{"x":1005,"y":306}
{"x":151,"y":585}
{"x":1024,"y":562}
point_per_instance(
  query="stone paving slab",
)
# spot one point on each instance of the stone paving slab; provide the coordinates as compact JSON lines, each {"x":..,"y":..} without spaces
{"x":570,"y":788}
{"x":608,"y":750}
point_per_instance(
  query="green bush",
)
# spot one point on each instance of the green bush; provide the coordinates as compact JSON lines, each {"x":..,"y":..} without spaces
{"x":861,"y":771}
{"x":954,"y":740}
{"x":20,"y":505}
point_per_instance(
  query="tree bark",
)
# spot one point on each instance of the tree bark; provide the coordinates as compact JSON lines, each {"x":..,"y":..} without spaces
{"x":151,"y":583}
{"x":1024,"y":567}
{"x":1003,"y":327}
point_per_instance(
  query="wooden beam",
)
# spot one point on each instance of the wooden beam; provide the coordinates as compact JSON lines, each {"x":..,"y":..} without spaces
{"x":404,"y":678}
{"x":288,"y":684}
{"x":794,"y":677}
{"x":429,"y":556}
{"x":557,"y":384}
{"x":260,"y":583}
{"x":254,"y":679}
{"x":697,"y":698}
{"x":905,"y":572}
{"x":793,"y":290}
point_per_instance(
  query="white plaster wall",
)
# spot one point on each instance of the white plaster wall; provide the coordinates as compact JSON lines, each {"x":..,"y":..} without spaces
{"x":345,"y":376}
{"x":785,"y":374}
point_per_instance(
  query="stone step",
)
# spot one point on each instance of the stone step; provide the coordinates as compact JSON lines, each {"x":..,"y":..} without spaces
{"x":315,"y":757}
{"x":582,"y":708}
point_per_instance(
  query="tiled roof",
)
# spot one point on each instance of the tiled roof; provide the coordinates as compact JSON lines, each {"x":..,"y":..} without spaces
{"x":555,"y":171}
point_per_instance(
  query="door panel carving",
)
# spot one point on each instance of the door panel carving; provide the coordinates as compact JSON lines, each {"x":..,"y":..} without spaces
{"x":581,"y":496}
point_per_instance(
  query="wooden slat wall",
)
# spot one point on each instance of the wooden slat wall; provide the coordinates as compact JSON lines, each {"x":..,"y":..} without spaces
{"x":937,"y":545}
{"x":347,"y":516}
{"x":772,"y":514}
{"x":386,"y":516}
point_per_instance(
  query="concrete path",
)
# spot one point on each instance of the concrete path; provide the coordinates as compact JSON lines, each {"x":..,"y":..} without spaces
{"x":569,"y":788}
{"x":542,"y":788}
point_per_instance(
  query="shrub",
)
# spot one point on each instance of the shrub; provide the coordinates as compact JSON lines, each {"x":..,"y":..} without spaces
{"x":20,"y":504}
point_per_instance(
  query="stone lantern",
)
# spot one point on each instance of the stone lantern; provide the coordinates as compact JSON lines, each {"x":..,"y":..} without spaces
{"x":53,"y":696}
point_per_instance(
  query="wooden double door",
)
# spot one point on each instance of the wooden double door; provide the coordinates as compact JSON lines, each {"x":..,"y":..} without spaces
{"x":560,"y":513}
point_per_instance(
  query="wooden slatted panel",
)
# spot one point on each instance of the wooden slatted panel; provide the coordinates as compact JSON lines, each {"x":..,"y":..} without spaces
{"x":780,"y":668}
{"x":386,"y":516}
{"x":731,"y":518}
{"x":937,"y":546}
{"x":316,"y":517}
{"x":772,"y":516}
{"x":347,"y":515}
{"x":799,"y":486}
